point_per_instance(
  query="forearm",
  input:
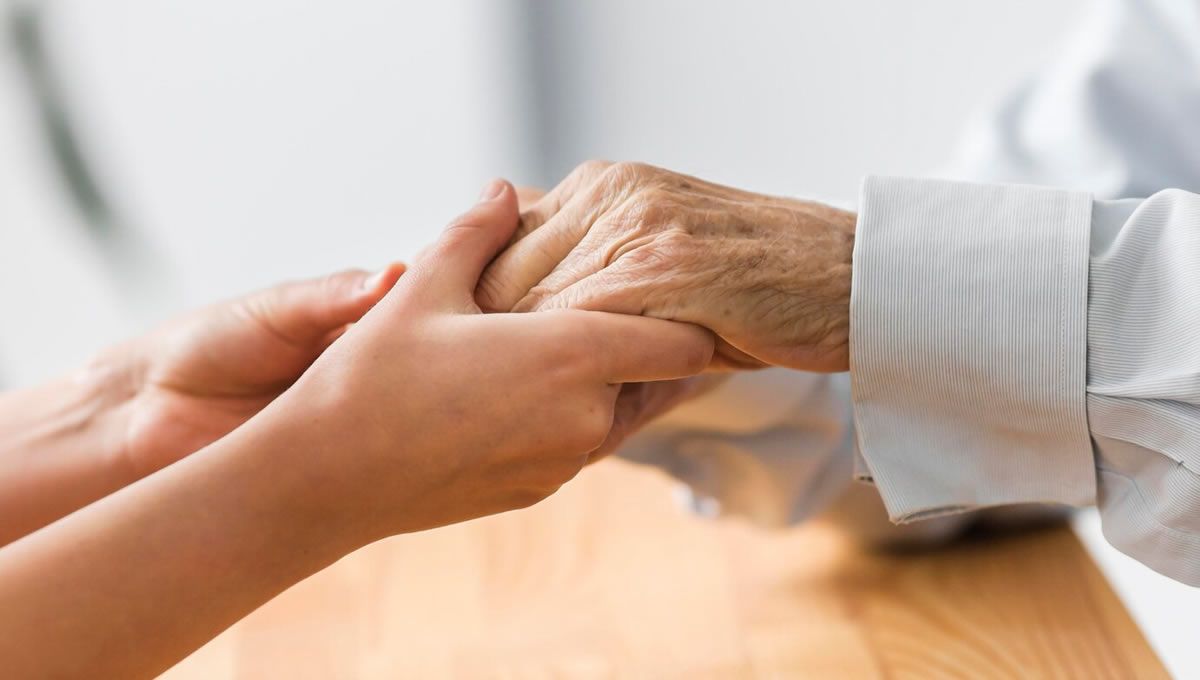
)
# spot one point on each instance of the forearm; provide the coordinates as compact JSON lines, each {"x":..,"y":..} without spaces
{"x":61,"y":447}
{"x":132,"y":584}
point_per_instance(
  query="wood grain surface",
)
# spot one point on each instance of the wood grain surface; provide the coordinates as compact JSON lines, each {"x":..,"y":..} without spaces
{"x":610,"y":579}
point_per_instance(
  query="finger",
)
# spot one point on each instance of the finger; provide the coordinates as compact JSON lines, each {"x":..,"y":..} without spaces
{"x":526,"y":198}
{"x":449,"y":270}
{"x":530,"y":259}
{"x":548,"y":232}
{"x":730,"y":358}
{"x":619,"y":290}
{"x":588,"y":257}
{"x":614,"y":289}
{"x":639,"y":349}
{"x":640,"y":403}
{"x":550,"y":203}
{"x":379,"y":284}
{"x":307,"y":312}
{"x":626,"y":229}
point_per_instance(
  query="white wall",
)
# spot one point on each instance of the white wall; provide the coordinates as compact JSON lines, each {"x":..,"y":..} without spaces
{"x":784,"y":97}
{"x":247,"y":142}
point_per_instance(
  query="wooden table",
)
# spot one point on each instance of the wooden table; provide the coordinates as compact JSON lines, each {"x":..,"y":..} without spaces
{"x":610,"y":579}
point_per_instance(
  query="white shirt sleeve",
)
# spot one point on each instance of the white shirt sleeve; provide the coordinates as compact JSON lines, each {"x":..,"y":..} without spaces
{"x":1013,"y":344}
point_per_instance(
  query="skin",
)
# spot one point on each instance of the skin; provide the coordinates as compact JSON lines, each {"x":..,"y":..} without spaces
{"x":639,"y":404}
{"x":423,"y":413}
{"x":149,"y":402}
{"x":770,"y":276}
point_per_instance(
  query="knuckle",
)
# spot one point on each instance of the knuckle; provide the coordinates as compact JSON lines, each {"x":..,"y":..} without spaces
{"x":674,"y":243}
{"x":624,"y":173}
{"x":589,"y":169}
{"x":650,"y":256}
{"x":632,"y":169}
{"x":650,"y":210}
{"x":634,"y":216}
{"x":656,"y":195}
{"x":458,"y":234}
{"x":584,"y":175}
{"x":462,"y":227}
{"x":592,"y":167}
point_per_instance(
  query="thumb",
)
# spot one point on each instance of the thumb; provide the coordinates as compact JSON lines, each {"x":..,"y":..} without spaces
{"x":451,"y":267}
{"x":305,"y":312}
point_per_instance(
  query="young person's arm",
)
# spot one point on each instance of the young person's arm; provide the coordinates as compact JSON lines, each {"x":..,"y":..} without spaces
{"x":149,"y":402}
{"x":424,"y":413}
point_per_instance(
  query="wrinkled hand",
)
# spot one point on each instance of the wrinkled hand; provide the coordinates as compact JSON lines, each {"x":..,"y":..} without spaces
{"x":428,"y":412}
{"x":199,"y":377}
{"x":770,"y":276}
{"x":638,"y":404}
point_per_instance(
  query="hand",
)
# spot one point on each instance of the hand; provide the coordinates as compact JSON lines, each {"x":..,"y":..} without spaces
{"x":638,"y":404}
{"x":428,"y":412}
{"x":770,"y":276}
{"x":201,"y":376}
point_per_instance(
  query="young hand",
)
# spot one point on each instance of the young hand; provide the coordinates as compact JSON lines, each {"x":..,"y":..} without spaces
{"x":199,"y":377}
{"x":429,"y":412}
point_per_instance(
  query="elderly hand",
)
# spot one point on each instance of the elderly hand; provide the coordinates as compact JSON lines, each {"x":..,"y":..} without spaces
{"x":771,"y":276}
{"x":199,"y":377}
{"x":638,"y":404}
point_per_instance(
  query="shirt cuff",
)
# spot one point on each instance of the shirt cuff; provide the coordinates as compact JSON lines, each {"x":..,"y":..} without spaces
{"x":968,"y":345}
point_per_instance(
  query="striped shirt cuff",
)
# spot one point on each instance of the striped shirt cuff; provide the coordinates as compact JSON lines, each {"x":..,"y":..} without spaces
{"x":968,"y":345}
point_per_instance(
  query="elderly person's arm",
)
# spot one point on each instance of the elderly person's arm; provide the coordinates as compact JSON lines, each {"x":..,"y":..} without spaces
{"x":1006,"y":344}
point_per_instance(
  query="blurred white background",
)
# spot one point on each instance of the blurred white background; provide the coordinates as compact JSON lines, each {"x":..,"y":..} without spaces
{"x":242,"y":143}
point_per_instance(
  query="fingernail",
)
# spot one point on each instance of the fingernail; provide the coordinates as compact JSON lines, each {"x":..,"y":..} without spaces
{"x":492,"y":190}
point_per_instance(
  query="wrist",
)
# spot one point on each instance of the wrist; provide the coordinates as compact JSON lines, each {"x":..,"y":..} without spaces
{"x":109,"y":384}
{"x":276,"y":468}
{"x":299,"y":440}
{"x":64,"y":449}
{"x":821,"y":280}
{"x":840,"y":226}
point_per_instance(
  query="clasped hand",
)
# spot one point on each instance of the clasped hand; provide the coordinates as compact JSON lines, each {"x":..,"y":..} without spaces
{"x":333,"y":413}
{"x":418,"y":410}
{"x":770,"y":276}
